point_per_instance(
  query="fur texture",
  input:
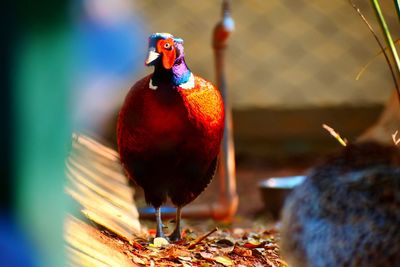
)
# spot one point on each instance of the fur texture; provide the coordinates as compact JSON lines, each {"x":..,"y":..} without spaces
{"x":347,"y":212}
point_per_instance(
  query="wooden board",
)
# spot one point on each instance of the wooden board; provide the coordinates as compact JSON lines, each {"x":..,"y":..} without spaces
{"x":97,"y":183}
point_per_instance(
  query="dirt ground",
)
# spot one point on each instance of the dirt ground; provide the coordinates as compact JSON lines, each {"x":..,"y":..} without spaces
{"x":250,"y":240}
{"x":249,"y":172}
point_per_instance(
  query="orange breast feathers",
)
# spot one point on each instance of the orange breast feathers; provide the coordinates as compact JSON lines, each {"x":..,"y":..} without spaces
{"x":204,"y":105}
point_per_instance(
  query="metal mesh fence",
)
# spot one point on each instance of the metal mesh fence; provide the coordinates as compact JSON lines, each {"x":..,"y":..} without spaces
{"x":284,"y":53}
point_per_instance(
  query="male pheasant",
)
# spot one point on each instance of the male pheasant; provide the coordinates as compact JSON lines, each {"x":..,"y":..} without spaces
{"x":170,"y":129}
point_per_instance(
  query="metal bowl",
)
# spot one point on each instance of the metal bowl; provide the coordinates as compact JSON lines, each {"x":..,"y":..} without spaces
{"x":274,"y":191}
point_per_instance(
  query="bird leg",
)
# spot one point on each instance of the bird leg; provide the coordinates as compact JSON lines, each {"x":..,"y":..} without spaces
{"x":159,"y":230}
{"x":176,"y":234}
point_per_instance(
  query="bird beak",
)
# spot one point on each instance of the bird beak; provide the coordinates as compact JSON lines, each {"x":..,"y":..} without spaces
{"x":153,"y":55}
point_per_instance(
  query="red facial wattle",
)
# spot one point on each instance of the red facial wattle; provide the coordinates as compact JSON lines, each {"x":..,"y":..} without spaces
{"x":167,"y":50}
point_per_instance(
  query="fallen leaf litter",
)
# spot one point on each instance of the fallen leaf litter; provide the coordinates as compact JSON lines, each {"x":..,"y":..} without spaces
{"x":237,"y":247}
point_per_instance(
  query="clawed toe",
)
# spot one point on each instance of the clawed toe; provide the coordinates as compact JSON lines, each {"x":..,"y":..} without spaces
{"x":175,"y":236}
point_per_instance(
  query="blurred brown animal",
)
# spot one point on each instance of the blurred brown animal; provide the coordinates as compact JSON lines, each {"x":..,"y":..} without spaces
{"x":347,"y":212}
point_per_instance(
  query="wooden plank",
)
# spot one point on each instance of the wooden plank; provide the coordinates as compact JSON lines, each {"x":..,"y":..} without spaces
{"x":97,"y":183}
{"x":85,"y":247}
{"x":262,"y":133}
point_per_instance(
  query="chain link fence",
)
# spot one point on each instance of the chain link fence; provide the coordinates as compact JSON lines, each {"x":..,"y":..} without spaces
{"x":284,"y":53}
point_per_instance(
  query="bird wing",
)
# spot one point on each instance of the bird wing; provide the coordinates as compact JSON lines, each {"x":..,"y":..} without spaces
{"x":212,"y":169}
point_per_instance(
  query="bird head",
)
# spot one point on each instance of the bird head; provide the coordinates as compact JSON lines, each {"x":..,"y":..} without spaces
{"x":164,"y":47}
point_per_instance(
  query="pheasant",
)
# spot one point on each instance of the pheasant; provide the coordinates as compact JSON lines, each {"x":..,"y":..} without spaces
{"x":170,"y":129}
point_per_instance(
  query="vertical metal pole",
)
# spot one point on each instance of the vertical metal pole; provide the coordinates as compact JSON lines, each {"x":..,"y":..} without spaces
{"x":227,"y":158}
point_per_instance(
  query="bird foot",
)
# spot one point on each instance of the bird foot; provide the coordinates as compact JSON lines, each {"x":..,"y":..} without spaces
{"x":160,"y":233}
{"x":175,"y":236}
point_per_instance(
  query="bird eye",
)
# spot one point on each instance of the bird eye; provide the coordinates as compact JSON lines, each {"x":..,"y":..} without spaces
{"x":167,"y":45}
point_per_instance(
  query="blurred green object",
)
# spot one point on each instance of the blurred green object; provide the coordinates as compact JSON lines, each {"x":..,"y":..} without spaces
{"x":388,"y":36}
{"x":42,"y":126}
{"x":397,"y":5}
